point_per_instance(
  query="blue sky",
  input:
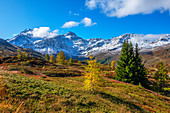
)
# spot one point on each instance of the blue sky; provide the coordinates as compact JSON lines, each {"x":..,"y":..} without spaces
{"x":87,"y":18}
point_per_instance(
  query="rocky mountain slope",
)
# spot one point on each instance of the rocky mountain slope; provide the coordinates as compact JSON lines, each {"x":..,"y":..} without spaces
{"x":7,"y":49}
{"x":74,"y":46}
{"x":150,"y":57}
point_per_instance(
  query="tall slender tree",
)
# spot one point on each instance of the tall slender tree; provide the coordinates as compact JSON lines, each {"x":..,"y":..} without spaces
{"x":47,"y":57}
{"x":113,"y":65}
{"x":93,"y":80}
{"x":61,"y":58}
{"x":140,"y":70}
{"x":161,"y":75}
{"x":125,"y":63}
{"x":25,"y":54}
{"x":130,"y":68}
{"x":70,"y":61}
{"x":19,"y":54}
{"x":52,"y":58}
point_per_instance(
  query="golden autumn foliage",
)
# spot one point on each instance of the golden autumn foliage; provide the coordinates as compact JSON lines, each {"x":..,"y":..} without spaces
{"x":52,"y":58}
{"x":93,"y":80}
{"x":47,"y":57}
{"x":22,"y":54}
{"x":113,"y":63}
{"x":19,"y":53}
{"x":61,"y":58}
{"x":25,"y":54}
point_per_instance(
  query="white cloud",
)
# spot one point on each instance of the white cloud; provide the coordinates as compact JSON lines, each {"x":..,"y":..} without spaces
{"x":70,"y":24}
{"x":122,"y":8}
{"x":43,"y":32}
{"x":87,"y":22}
{"x":75,"y":14}
{"x":56,"y":31}
{"x":91,"y":4}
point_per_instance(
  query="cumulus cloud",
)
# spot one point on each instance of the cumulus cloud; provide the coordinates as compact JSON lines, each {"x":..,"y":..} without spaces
{"x":91,"y":4}
{"x":70,"y":24}
{"x":122,"y":8}
{"x":43,"y":32}
{"x":86,"y":21}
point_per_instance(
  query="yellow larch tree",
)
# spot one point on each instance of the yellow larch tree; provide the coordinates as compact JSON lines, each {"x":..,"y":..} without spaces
{"x":52,"y":58}
{"x":113,"y":65}
{"x":61,"y":58}
{"x":93,"y":79}
{"x":19,"y":54}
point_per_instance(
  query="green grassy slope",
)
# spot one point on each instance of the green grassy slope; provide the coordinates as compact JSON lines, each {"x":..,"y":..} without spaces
{"x":41,"y":86}
{"x":57,"y":94}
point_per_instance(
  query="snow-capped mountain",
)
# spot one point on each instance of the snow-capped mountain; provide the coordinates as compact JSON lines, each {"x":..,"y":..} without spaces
{"x":72,"y":45}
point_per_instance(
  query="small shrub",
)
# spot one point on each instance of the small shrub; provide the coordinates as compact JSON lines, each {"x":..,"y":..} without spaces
{"x":2,"y":87}
{"x":13,"y":68}
{"x":79,"y":62}
{"x":26,"y":70}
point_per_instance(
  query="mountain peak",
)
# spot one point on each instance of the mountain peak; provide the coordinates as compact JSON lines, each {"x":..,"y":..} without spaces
{"x":165,"y":37}
{"x":26,"y":30}
{"x":132,"y":35}
{"x":74,"y":45}
{"x":70,"y":33}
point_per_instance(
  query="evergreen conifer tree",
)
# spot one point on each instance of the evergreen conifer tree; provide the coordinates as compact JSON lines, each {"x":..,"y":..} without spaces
{"x":125,"y":63}
{"x":131,"y":64}
{"x":130,"y":68}
{"x":161,"y":75}
{"x":140,"y":70}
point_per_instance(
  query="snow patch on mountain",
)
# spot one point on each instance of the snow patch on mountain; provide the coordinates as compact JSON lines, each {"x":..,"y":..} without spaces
{"x":72,"y":45}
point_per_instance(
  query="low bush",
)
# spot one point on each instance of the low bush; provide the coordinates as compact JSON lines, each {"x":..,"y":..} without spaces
{"x":26,"y":70}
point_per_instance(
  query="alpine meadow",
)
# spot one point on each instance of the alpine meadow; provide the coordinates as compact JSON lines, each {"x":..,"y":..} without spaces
{"x":97,"y":56}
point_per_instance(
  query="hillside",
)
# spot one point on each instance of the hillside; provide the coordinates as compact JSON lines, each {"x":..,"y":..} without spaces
{"x":150,"y":56}
{"x":36,"y":85}
{"x":159,"y":54}
{"x":7,"y":49}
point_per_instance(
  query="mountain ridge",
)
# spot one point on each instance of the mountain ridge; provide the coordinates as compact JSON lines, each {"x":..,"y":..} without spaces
{"x":75,"y":46}
{"x":7,"y":49}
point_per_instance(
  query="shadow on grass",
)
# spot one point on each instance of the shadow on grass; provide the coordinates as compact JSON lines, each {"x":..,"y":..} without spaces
{"x":63,"y":74}
{"x":114,"y":99}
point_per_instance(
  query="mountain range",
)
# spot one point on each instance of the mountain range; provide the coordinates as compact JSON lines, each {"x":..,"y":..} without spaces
{"x":75,"y":46}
